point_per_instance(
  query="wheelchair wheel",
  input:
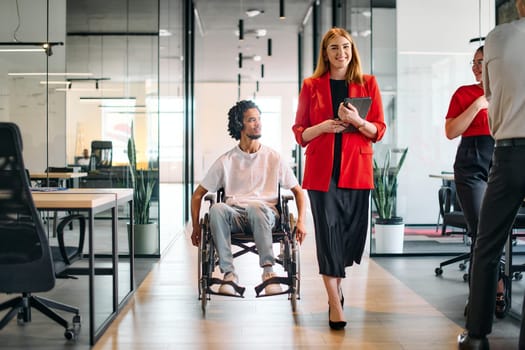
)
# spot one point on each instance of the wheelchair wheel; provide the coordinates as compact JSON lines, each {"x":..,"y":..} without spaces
{"x":293,"y":254}
{"x":206,"y":254}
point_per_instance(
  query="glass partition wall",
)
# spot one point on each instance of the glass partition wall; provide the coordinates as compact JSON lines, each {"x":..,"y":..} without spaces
{"x":24,"y":98}
{"x":99,"y":78}
{"x":418,"y":67}
{"x":431,"y":65}
{"x":117,"y":97}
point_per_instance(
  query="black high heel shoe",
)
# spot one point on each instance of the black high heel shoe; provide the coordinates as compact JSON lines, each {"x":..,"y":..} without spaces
{"x":335,"y":325}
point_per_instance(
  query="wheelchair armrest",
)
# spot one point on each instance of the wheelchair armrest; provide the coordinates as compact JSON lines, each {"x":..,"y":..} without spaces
{"x":210,"y":197}
{"x":287,"y":197}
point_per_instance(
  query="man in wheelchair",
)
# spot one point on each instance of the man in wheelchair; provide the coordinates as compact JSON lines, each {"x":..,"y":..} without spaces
{"x":250,"y":175}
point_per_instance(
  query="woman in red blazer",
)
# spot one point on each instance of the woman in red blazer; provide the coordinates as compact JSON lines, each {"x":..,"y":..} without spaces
{"x":338,"y":171}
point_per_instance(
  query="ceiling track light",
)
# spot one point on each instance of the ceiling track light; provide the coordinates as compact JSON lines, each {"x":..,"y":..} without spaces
{"x":262,"y":70}
{"x":47,"y":47}
{"x":241,"y":29}
{"x":96,"y":80}
{"x":269,"y":46}
{"x":257,"y":86}
{"x":29,"y":74}
{"x":240,"y":60}
{"x":281,"y":9}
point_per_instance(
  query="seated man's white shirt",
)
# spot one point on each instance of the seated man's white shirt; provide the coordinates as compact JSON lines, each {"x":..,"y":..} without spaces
{"x":249,"y":177}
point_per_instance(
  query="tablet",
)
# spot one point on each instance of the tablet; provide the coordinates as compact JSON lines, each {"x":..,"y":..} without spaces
{"x":363,"y":106}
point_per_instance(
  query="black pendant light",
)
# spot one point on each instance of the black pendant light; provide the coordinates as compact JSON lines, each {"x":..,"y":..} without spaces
{"x":241,"y":29}
{"x":281,"y":9}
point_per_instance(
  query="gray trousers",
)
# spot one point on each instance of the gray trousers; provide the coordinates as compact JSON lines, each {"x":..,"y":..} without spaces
{"x":503,"y":197}
{"x":256,"y":219}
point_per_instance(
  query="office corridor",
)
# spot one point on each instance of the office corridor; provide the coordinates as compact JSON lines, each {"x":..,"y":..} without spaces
{"x":382,"y":312}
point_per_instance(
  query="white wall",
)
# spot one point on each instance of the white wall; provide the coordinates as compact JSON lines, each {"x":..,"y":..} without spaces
{"x":433,"y":61}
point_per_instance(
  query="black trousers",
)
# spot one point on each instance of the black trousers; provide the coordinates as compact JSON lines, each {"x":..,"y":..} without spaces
{"x":503,"y":197}
{"x":471,"y":172}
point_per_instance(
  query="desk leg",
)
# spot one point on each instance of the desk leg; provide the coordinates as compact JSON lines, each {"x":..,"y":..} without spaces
{"x":131,"y":238}
{"x":91,"y":268}
{"x":114,"y":254}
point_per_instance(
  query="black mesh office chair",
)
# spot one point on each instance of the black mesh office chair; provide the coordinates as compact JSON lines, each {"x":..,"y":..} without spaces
{"x":450,"y":209}
{"x":452,"y":215}
{"x":26,"y":261}
{"x":445,"y":182}
{"x":101,"y":155}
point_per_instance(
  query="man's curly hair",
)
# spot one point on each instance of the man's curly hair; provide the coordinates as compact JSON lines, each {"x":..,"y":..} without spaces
{"x":235,"y":117}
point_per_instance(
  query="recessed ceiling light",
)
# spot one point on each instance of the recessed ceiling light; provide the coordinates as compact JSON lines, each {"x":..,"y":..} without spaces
{"x":257,"y":32}
{"x":164,"y":32}
{"x":254,"y":12}
{"x":50,"y":74}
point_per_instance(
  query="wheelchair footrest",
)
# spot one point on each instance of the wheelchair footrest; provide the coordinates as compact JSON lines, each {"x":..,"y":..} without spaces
{"x":274,"y":280}
{"x":238,"y":289}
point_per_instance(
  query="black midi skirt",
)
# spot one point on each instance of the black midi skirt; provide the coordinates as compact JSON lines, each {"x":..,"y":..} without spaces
{"x":341,"y":224}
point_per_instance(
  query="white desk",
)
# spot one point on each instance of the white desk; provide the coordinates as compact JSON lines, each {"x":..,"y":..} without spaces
{"x":63,"y":177}
{"x":59,"y":175}
{"x":448,"y":177}
{"x":93,"y":201}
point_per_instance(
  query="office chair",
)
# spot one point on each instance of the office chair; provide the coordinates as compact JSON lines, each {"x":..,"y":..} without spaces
{"x":450,"y":211}
{"x":101,"y":155}
{"x":445,"y":183}
{"x":26,"y":262}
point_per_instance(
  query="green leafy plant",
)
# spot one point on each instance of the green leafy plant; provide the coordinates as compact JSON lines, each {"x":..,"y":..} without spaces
{"x":142,"y":182}
{"x":385,"y":183}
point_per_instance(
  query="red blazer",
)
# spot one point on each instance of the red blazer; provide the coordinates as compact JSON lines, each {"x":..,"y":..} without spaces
{"x":315,"y":106}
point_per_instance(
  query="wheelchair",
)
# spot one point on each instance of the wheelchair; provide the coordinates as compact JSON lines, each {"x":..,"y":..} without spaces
{"x":283,"y":233}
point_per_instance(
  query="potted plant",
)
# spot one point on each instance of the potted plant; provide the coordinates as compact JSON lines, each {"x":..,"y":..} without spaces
{"x":389,"y":229}
{"x":143,"y":183}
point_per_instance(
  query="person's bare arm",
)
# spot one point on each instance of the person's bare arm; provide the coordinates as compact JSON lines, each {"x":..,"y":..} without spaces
{"x":196,"y":200}
{"x":456,"y":126}
{"x":301,"y":213}
{"x":332,"y":126}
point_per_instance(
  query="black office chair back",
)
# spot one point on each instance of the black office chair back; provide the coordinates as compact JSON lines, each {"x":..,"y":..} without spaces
{"x":26,"y":263}
{"x":450,"y":209}
{"x":101,"y":155}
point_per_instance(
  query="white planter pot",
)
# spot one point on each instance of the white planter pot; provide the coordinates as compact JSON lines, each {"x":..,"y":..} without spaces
{"x":146,"y":238}
{"x":389,"y":238}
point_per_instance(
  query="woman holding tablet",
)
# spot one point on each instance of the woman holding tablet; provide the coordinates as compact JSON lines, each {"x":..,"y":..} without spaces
{"x":338,"y":171}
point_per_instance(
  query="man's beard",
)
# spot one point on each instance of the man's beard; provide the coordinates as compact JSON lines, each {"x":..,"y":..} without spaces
{"x":254,"y":137}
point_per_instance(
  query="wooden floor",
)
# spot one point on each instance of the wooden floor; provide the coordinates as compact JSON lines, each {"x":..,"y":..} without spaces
{"x":382,"y":312}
